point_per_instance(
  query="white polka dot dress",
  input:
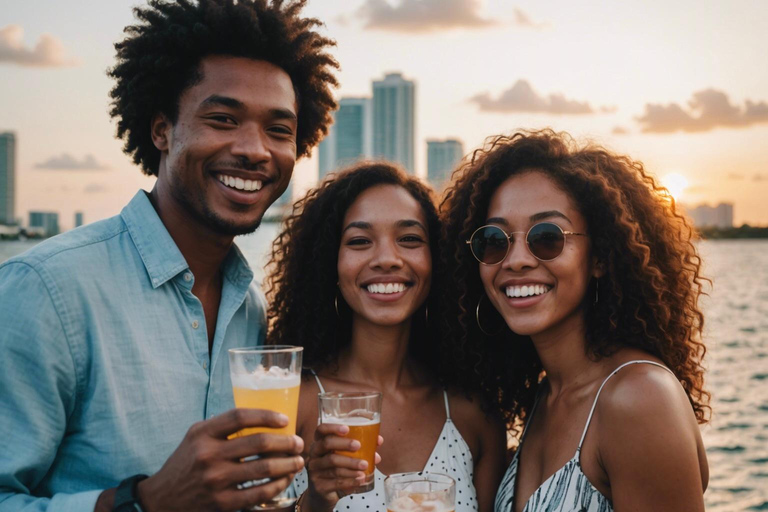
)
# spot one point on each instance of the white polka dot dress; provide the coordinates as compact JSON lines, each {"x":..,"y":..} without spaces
{"x":450,"y":456}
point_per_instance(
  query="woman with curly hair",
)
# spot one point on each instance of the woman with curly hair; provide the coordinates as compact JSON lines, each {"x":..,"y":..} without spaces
{"x":351,"y":281}
{"x":572,"y":285}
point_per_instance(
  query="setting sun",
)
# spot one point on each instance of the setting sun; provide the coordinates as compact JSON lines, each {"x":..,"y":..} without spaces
{"x":676,"y":184}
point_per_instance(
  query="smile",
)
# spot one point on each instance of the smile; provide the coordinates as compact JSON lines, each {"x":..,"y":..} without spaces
{"x":527,"y":290}
{"x":386,"y":288}
{"x":240,"y":183}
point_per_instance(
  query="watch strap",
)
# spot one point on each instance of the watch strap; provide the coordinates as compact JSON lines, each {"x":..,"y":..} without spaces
{"x":126,"y":496}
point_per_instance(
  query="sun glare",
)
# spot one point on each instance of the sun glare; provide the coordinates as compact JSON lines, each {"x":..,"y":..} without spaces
{"x":675,"y":183}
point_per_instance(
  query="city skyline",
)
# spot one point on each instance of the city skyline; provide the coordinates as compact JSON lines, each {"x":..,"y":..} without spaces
{"x":679,"y":92}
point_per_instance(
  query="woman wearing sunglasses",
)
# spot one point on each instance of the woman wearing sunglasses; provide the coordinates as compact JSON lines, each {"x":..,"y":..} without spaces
{"x":574,"y":288}
{"x":351,"y":281}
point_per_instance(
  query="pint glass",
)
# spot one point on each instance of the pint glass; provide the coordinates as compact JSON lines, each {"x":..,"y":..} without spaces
{"x":361,"y":412}
{"x":269,"y":378}
{"x":420,"y":492}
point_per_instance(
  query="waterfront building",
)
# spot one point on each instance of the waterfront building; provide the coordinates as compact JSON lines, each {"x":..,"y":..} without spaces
{"x":394,"y":120}
{"x":7,"y":178}
{"x":350,"y":138}
{"x":78,"y":219}
{"x":442,"y":157}
{"x":720,"y":216}
{"x":44,"y":223}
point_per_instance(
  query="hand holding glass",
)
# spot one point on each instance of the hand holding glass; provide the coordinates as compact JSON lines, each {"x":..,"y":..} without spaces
{"x":361,"y":412}
{"x":267,"y":378}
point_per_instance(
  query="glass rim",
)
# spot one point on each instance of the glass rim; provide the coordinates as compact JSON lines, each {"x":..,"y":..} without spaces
{"x":354,"y":395}
{"x":439,"y":478}
{"x":266,"y":349}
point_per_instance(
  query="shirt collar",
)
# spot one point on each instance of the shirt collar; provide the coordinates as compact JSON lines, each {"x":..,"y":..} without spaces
{"x":162,"y":258}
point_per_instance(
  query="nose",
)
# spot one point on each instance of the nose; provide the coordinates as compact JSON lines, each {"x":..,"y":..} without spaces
{"x":387,"y":256}
{"x":251,"y":144}
{"x":519,"y":256}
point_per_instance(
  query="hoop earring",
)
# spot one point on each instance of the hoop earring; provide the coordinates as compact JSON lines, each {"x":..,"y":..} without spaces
{"x":426,"y":314}
{"x":597,"y":289}
{"x":477,"y":318}
{"x":336,"y":304}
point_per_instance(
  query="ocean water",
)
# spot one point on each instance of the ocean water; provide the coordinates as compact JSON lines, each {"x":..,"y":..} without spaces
{"x":736,"y":334}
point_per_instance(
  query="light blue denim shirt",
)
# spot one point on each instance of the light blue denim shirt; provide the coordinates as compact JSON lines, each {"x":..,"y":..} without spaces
{"x":104,"y":361}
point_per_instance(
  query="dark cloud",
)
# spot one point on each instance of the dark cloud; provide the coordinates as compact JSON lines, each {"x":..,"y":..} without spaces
{"x":521,"y":97}
{"x":423,"y":15}
{"x":67,"y":162}
{"x":95,"y":188}
{"x":47,"y":53}
{"x":619,"y":130}
{"x":706,"y":110}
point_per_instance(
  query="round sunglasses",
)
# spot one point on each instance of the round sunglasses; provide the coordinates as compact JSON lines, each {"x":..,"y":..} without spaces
{"x":546,"y":241}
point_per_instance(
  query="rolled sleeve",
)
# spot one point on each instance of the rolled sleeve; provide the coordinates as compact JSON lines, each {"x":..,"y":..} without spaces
{"x":38,"y":387}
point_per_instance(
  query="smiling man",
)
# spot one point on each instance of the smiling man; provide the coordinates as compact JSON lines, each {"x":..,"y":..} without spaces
{"x":114,"y":336}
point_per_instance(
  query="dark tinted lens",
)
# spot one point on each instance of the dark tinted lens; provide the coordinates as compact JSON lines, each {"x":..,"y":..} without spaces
{"x":489,"y":244}
{"x":546,"y":241}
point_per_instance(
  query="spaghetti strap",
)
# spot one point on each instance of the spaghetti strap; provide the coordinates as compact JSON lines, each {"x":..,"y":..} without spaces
{"x":614,"y":372}
{"x":319,"y":384}
{"x":447,"y":407}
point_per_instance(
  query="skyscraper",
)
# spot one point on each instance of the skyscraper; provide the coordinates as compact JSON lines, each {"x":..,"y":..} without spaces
{"x":78,"y":219}
{"x":394,"y":120}
{"x":7,"y":177}
{"x":350,"y":138}
{"x":442,"y":157}
{"x":45,"y":223}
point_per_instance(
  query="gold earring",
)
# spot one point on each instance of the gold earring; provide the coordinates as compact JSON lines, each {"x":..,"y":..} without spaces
{"x":597,"y":288}
{"x":477,"y":318}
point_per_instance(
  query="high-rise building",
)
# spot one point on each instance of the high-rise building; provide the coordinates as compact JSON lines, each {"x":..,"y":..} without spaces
{"x":442,"y":157}
{"x":44,"y":223}
{"x":78,"y":219}
{"x":394,"y":120}
{"x":7,"y":178}
{"x":720,"y":216}
{"x":350,"y":138}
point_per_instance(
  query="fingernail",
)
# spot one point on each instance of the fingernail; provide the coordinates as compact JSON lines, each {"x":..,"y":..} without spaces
{"x":363,"y":464}
{"x":283,"y":418}
{"x":343,"y":429}
{"x":355,"y":445}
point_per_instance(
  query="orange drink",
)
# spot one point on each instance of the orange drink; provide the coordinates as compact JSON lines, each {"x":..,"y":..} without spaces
{"x":361,"y":412}
{"x":274,"y":395}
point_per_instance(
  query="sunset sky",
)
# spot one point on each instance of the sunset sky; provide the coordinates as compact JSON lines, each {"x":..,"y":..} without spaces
{"x":681,"y":86}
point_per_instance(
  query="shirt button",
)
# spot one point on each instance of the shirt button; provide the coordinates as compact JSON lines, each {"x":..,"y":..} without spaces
{"x":187,"y":277}
{"x":195,"y":324}
{"x":205,"y":365}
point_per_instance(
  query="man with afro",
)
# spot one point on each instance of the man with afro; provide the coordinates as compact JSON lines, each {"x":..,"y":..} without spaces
{"x":114,"y":336}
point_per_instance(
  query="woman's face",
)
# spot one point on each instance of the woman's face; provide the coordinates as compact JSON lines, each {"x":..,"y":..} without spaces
{"x":559,"y":285}
{"x":385,"y":265}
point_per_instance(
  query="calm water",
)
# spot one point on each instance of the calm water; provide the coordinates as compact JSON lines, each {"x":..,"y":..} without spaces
{"x":737,"y":340}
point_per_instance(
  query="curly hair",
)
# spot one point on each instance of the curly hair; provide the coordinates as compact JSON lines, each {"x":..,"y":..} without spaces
{"x":160,"y":58}
{"x":302,"y":278}
{"x":648,"y":297}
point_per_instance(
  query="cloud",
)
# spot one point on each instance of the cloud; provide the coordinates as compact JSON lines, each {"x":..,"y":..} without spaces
{"x":760,"y":177}
{"x":416,"y":16}
{"x":521,"y":97}
{"x":523,"y":20}
{"x":619,"y":130}
{"x":735,"y":176}
{"x":95,"y":188}
{"x":706,"y":110}
{"x":47,"y":53}
{"x":65,"y":161}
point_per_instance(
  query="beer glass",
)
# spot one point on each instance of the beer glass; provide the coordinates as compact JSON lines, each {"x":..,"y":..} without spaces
{"x":420,"y":492}
{"x":361,"y":412}
{"x":268,"y":378}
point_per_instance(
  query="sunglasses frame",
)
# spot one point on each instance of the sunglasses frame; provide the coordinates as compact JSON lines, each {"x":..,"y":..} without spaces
{"x":510,"y":240}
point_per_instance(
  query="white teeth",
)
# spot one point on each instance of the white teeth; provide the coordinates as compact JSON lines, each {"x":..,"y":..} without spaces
{"x":526,"y":290}
{"x":386,"y":288}
{"x":239,"y":183}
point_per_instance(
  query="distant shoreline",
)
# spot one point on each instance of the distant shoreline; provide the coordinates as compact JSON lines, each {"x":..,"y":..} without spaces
{"x":743,"y":232}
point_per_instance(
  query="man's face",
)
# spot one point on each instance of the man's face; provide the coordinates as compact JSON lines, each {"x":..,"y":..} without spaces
{"x":231,"y":152}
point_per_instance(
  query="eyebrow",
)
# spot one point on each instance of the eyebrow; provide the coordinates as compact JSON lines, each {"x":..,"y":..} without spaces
{"x":407,"y":223}
{"x":533,"y":218}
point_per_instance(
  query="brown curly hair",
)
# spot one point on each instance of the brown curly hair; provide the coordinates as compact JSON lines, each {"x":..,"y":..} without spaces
{"x":648,"y":296}
{"x":161,"y":58}
{"x":302,"y":271}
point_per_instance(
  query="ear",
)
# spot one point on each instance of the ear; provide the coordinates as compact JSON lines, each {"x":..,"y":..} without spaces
{"x":598,"y":269}
{"x":161,"y":132}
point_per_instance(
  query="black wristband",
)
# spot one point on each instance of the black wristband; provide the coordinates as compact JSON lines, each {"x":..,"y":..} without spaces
{"x":126,"y":497}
